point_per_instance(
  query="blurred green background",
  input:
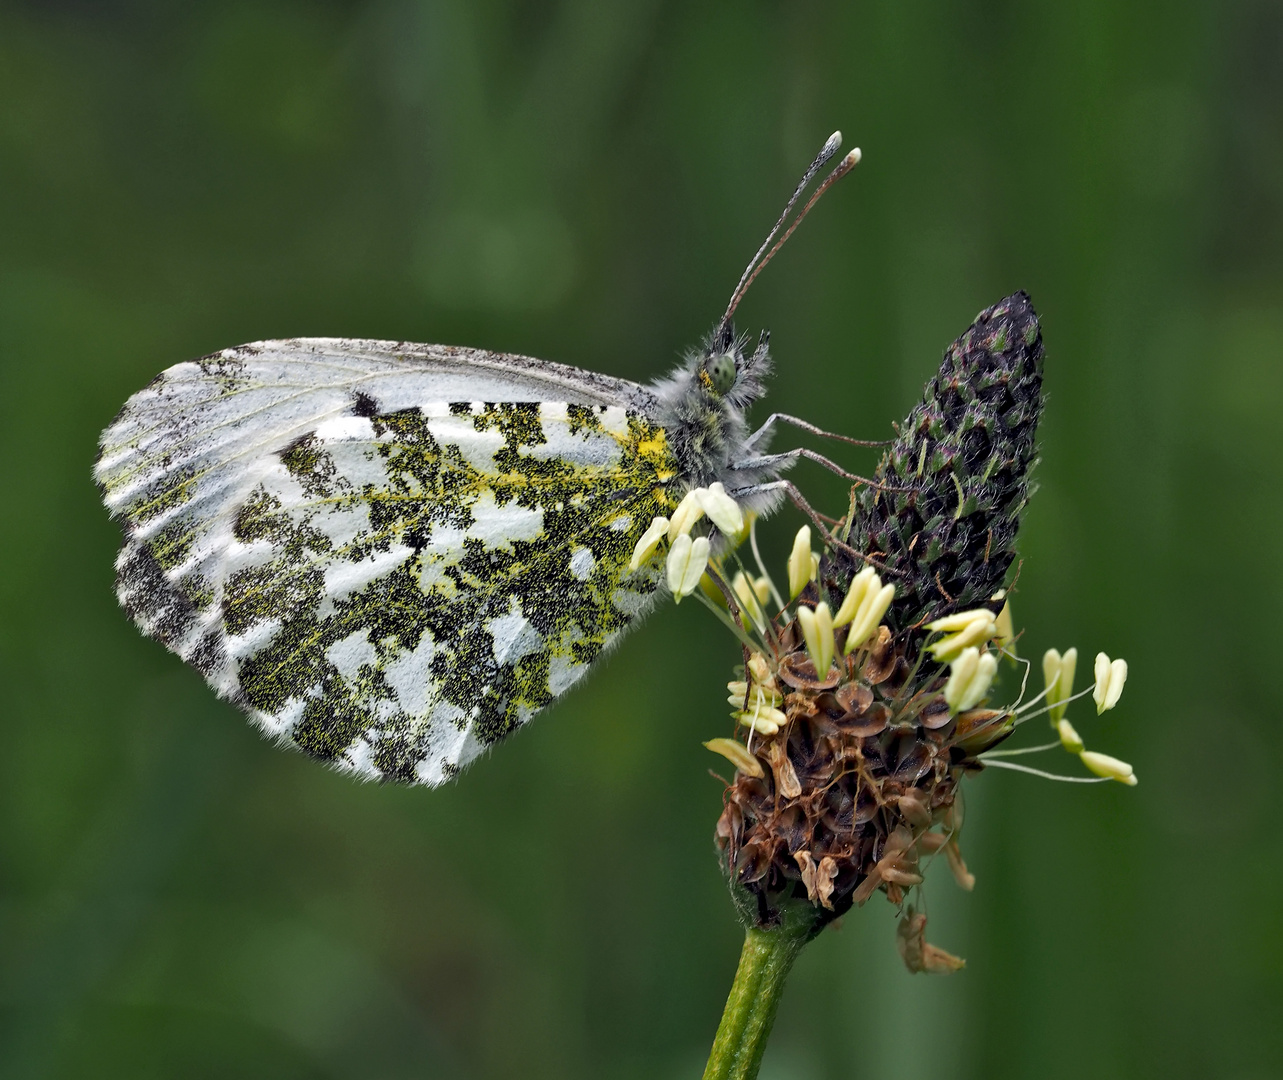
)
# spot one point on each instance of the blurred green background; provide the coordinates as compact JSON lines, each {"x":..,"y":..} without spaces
{"x":584,"y":182}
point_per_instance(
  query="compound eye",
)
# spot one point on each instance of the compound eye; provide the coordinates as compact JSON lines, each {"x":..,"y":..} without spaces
{"x":721,"y":370}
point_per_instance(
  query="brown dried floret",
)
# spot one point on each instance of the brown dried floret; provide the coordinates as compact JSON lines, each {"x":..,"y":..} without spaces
{"x":861,"y":776}
{"x":917,"y":953}
{"x":798,"y":671}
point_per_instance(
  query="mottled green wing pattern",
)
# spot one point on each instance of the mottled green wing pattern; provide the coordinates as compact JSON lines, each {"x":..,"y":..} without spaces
{"x":395,"y":592}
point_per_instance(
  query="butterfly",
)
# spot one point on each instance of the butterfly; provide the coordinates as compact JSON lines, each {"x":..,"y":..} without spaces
{"x":393,"y":555}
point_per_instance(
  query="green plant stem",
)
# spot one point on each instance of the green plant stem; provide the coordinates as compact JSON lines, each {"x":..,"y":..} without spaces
{"x":765,"y":962}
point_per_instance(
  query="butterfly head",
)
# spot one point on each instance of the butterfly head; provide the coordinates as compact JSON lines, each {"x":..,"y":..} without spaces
{"x":726,"y":371}
{"x":705,"y":400}
{"x":717,"y":373}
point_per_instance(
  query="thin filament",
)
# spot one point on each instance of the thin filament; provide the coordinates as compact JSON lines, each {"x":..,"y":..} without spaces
{"x":988,"y":754}
{"x":1047,"y":775}
{"x":757,"y":556}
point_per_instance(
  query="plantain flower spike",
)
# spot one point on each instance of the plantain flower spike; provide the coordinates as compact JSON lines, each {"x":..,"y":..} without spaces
{"x":862,"y":756}
{"x":1110,"y":677}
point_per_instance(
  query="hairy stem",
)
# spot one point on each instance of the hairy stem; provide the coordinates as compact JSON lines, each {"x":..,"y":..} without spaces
{"x":765,"y":962}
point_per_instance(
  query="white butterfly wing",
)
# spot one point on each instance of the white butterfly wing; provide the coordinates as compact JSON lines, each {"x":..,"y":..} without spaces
{"x":390,"y":580}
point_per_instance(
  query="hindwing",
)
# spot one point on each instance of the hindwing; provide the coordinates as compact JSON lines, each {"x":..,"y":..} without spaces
{"x":393,"y":590}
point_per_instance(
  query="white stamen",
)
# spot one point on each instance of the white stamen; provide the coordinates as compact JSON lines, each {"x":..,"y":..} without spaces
{"x":970,"y":677}
{"x":746,"y":593}
{"x":722,"y":510}
{"x":960,"y":620}
{"x":687,"y":560}
{"x":1069,"y":738}
{"x":817,"y":631}
{"x":802,"y":562}
{"x":1005,"y":637}
{"x":688,"y":511}
{"x":1111,"y":768}
{"x":869,"y":617}
{"x":737,"y":754}
{"x":860,"y":586}
{"x":1110,"y":678}
{"x":763,"y":719}
{"x":649,"y":541}
{"x":963,"y":630}
{"x":1058,"y":670}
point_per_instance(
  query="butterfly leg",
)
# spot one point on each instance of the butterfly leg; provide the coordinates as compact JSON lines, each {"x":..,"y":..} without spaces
{"x":804,"y":425}
{"x":798,"y":500}
{"x":767,"y":461}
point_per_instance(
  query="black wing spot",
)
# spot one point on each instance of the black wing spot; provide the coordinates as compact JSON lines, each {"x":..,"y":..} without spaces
{"x":364,"y":405}
{"x":208,"y":655}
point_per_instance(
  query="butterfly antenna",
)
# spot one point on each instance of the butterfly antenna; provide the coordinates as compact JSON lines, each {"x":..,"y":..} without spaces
{"x":759,"y":261}
{"x":827,"y":151}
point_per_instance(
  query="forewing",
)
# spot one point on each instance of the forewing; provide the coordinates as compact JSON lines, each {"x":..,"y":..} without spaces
{"x":208,"y":413}
{"x":393,"y":589}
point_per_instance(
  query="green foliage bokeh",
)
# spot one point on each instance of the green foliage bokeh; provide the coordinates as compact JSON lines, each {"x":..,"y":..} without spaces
{"x":583,"y":182}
